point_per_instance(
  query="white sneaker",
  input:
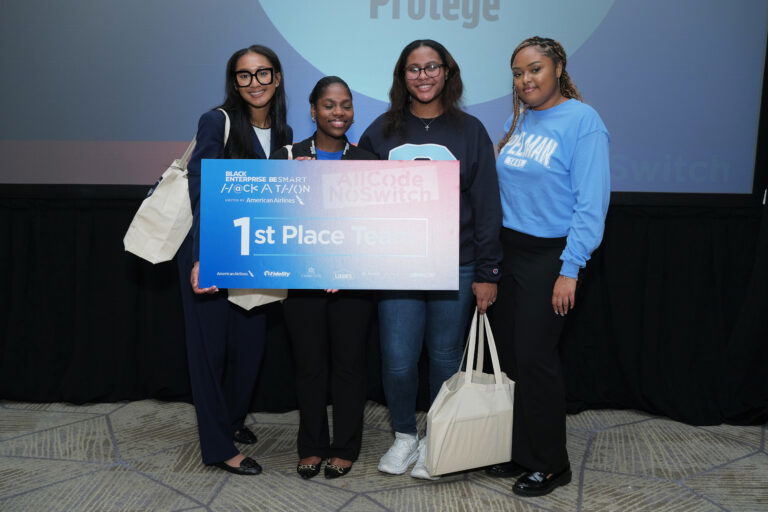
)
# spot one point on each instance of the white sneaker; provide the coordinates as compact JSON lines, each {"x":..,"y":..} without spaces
{"x":420,"y":469}
{"x":403,"y":452}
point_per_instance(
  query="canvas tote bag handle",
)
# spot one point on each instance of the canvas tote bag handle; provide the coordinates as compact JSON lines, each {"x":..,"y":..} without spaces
{"x":226,"y":125}
{"x":492,"y":349}
{"x":471,"y":344}
{"x":480,"y":349}
{"x":470,"y":340}
{"x":184,"y":160}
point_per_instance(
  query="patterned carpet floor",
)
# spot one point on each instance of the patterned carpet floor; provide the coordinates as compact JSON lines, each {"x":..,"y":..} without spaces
{"x":143,"y":456}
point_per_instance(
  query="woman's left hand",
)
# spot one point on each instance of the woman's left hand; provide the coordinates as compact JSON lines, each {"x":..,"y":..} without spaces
{"x":564,"y":295}
{"x":194,"y":280}
{"x":331,"y":290}
{"x":485,"y":293}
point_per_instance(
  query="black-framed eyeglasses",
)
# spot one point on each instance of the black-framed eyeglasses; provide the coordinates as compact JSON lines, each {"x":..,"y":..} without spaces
{"x":264,"y":76}
{"x":431,"y":70}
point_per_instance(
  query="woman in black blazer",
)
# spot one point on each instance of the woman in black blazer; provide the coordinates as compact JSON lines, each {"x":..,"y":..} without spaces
{"x":329,"y":329}
{"x":225,"y":343}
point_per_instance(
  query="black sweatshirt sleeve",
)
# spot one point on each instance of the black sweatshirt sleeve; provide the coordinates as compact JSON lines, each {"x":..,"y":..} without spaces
{"x":486,"y":209}
{"x":366,"y":143}
{"x":279,"y":154}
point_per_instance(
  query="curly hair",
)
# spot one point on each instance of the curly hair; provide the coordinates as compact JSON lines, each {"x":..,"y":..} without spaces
{"x":399,"y":98}
{"x":555,"y":51}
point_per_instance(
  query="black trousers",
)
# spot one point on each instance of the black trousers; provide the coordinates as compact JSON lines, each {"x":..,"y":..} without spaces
{"x":527,"y":333}
{"x":225,"y":344}
{"x":328,"y":335}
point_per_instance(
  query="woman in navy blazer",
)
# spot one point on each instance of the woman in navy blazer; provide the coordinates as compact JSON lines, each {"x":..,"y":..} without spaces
{"x":225,"y":343}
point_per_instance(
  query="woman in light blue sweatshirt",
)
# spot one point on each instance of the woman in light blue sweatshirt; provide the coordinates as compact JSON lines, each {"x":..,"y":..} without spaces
{"x":554,"y":179}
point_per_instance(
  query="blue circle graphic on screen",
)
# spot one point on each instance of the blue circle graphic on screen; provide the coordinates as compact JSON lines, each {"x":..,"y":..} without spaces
{"x":360,"y":40}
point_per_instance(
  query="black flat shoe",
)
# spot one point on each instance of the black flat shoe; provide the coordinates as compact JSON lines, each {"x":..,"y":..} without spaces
{"x":307,"y":471}
{"x":509,"y":469}
{"x":244,"y":436}
{"x":536,"y":483}
{"x":248,"y":466}
{"x":334,"y":471}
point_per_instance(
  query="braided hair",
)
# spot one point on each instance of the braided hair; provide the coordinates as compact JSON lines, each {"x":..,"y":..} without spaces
{"x":556,"y":52}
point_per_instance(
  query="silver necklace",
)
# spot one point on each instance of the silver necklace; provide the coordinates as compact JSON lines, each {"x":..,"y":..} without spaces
{"x":426,"y":125}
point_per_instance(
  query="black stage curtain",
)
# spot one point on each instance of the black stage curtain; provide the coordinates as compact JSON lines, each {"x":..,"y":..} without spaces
{"x":670,"y":318}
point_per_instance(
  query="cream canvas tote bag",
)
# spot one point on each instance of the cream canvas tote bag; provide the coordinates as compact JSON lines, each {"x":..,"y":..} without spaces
{"x":470,"y":422}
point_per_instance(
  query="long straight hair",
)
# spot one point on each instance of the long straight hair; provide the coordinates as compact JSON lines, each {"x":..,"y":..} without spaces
{"x":399,"y":98}
{"x":240,"y":143}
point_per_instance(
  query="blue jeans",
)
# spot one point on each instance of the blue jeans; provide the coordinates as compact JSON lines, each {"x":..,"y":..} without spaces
{"x":406,"y":320}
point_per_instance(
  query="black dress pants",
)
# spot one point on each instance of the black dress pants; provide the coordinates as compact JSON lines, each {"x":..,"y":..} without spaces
{"x":528,"y":333}
{"x":225,"y":345}
{"x":328,"y":335}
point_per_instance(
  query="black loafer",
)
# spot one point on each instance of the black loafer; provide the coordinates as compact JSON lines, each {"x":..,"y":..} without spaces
{"x":334,"y":471}
{"x":536,"y":483}
{"x":509,"y":469}
{"x":248,"y":466}
{"x":244,"y":436}
{"x":307,"y":471}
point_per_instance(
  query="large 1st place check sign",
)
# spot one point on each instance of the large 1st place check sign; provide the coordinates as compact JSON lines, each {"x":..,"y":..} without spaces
{"x":330,"y":224}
